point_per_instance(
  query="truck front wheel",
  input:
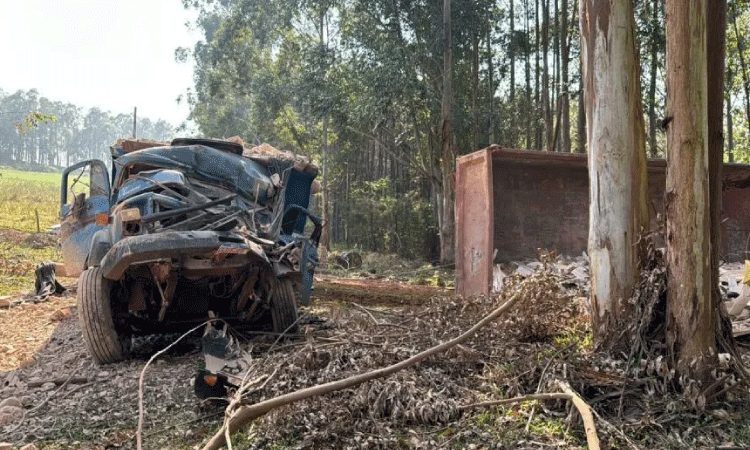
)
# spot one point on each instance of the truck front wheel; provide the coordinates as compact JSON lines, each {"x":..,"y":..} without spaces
{"x":104,"y":342}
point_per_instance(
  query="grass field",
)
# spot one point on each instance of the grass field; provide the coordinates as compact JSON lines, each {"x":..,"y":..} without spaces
{"x":22,"y":194}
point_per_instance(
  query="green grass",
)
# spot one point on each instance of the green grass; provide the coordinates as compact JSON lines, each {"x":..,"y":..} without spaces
{"x":580,"y":334}
{"x":509,"y":423}
{"x":740,"y":431}
{"x":19,"y":255}
{"x":23,"y":194}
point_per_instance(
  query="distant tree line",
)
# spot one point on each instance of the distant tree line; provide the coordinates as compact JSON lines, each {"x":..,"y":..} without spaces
{"x":73,"y":135}
{"x":359,"y":85}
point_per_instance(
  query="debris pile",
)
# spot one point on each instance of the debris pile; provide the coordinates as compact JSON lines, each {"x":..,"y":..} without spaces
{"x":380,"y":413}
{"x":543,"y":342}
{"x":573,"y":270}
{"x":347,"y":260}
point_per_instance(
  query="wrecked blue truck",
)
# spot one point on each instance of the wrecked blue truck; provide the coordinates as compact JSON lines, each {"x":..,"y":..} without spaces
{"x":175,"y":233}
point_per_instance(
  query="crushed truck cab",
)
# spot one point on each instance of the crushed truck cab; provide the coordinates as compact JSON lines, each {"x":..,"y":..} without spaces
{"x":175,"y":232}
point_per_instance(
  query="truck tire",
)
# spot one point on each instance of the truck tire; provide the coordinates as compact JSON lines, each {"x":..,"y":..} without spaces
{"x":104,"y":343}
{"x":283,"y":306}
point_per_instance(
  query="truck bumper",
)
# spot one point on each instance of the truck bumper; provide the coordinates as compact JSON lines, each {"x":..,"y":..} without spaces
{"x":170,"y":244}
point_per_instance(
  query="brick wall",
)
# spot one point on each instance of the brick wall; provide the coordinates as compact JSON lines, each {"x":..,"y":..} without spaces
{"x":540,"y":200}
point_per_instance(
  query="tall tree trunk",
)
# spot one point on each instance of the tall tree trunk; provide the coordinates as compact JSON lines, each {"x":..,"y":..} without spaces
{"x":555,"y":99}
{"x":581,"y":129}
{"x":527,"y":72}
{"x":618,"y":212}
{"x":565,"y":82}
{"x":716,"y":15}
{"x":475,"y":92}
{"x":325,"y":233}
{"x":447,"y":230}
{"x":548,"y":128}
{"x":538,"y":109}
{"x":512,"y":55}
{"x":512,"y":137}
{"x":690,"y":312}
{"x":655,"y":27}
{"x":491,"y":90}
{"x":730,"y":124}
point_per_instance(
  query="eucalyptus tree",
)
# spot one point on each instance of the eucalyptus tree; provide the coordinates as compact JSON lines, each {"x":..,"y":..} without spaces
{"x":41,"y":133}
{"x":401,"y":46}
{"x":692,"y":303}
{"x":369,"y":81}
{"x":618,"y":214}
{"x":241,"y":80}
{"x":739,"y":19}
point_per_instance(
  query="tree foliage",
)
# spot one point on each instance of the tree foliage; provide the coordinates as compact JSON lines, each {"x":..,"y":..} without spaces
{"x":32,"y":120}
{"x":737,"y":82}
{"x":365,"y":78}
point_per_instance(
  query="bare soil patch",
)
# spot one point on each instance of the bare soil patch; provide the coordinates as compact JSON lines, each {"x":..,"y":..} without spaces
{"x":26,"y":328}
{"x":373,"y":291}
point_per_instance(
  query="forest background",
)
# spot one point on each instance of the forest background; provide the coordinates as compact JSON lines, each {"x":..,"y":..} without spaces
{"x":360,"y":86}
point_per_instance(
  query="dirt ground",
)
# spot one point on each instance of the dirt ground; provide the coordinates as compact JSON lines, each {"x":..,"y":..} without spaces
{"x":355,"y":325}
{"x":69,"y":401}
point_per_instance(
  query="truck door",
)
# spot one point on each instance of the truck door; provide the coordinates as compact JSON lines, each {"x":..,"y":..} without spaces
{"x":84,"y":193}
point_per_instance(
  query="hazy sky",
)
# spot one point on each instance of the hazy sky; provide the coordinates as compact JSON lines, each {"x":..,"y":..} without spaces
{"x":112,"y":54}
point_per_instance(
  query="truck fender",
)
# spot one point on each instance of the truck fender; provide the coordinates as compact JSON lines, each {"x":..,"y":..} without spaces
{"x":100,"y":245}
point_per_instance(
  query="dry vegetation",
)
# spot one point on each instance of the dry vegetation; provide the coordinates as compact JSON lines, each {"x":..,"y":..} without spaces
{"x":545,"y":339}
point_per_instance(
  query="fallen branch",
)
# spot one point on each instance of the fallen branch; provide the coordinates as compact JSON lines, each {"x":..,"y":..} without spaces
{"x":585,"y":411}
{"x":568,"y":394}
{"x":247,"y":414}
{"x":541,"y":379}
{"x":367,"y":312}
{"x":59,"y":381}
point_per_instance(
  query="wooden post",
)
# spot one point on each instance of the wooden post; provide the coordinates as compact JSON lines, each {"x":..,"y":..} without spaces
{"x":36,"y":211}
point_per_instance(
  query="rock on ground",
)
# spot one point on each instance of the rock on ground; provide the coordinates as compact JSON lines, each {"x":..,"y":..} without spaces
{"x":11,"y":401}
{"x":10,"y":415}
